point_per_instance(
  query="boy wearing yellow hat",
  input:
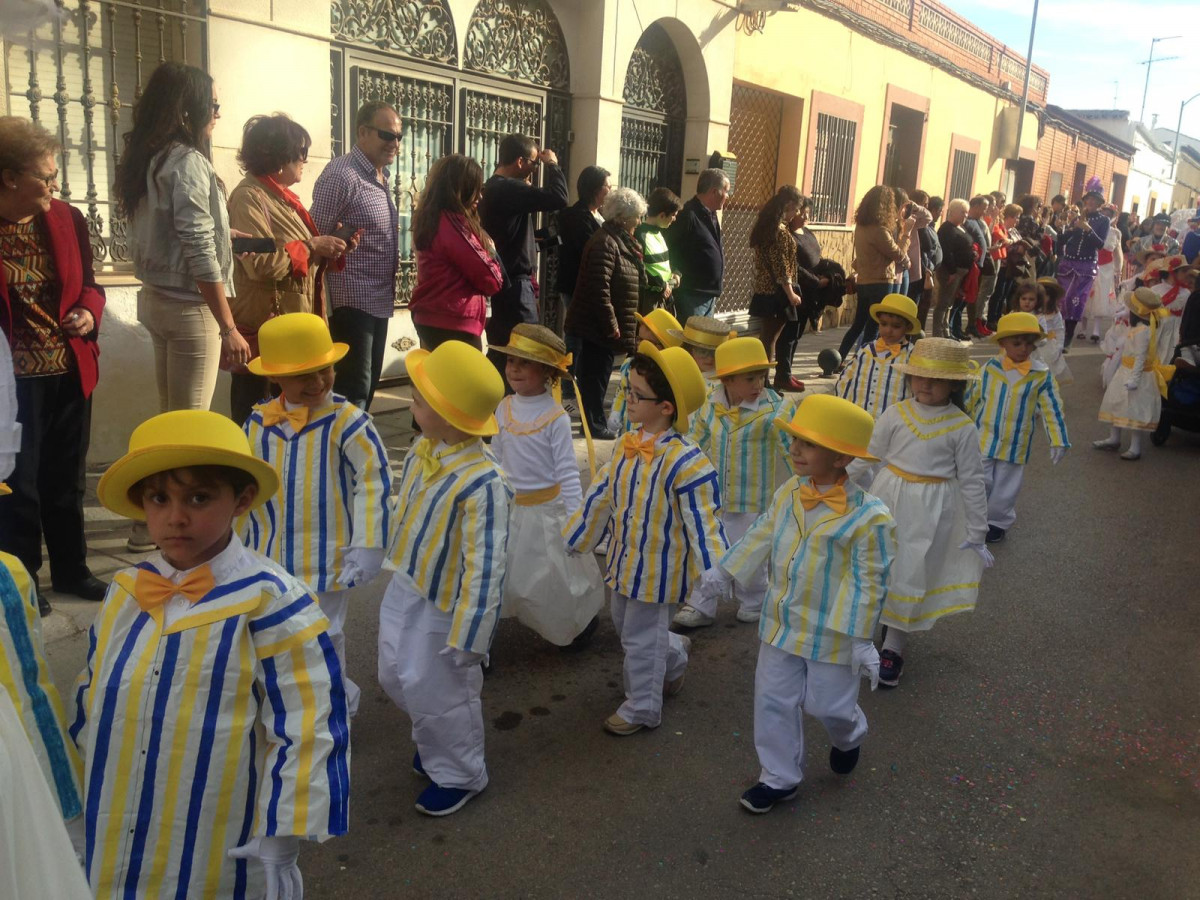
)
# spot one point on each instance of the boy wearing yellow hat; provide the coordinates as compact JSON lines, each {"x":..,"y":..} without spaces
{"x":1012,"y":392}
{"x":736,"y":428}
{"x":210,"y":715}
{"x":328,"y":523}
{"x":662,"y":330}
{"x":659,"y":498}
{"x":448,"y":552}
{"x":871,"y":380}
{"x":827,"y":546}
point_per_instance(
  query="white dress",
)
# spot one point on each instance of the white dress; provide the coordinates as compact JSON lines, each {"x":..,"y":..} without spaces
{"x":1050,"y":351}
{"x":1168,"y":328}
{"x":1140,"y":407}
{"x":554,"y":594}
{"x":930,"y":577}
{"x":1102,"y":301}
{"x":1114,"y":341}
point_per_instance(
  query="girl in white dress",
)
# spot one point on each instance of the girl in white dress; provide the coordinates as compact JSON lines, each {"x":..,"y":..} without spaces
{"x":1041,"y":298}
{"x":1102,"y":302}
{"x":556,"y":595}
{"x":930,"y":475}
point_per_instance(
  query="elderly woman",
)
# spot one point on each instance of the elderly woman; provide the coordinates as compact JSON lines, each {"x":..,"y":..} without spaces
{"x":50,"y":308}
{"x":601,"y":316}
{"x":958,"y":255}
{"x":273,"y":153}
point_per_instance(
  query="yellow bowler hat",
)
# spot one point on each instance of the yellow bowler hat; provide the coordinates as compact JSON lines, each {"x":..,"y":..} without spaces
{"x":743,"y":354}
{"x":295,"y":344}
{"x":663,"y":326}
{"x":832,"y":422}
{"x":173,"y":440}
{"x":1016,"y":323}
{"x":687,"y":384}
{"x":898,"y":305}
{"x":460,"y":383}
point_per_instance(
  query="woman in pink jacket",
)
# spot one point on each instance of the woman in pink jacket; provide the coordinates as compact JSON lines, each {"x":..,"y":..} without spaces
{"x":457,"y":267}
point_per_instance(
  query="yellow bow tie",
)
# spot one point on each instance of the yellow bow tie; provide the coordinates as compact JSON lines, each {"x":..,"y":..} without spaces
{"x":1023,"y":368}
{"x":724,"y":412}
{"x":431,"y":462}
{"x":882,"y":347}
{"x":152,"y":590}
{"x":632,"y":447}
{"x":275,"y":412}
{"x":834,"y":498}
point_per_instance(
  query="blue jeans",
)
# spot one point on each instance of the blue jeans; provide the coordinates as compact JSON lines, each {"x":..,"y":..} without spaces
{"x":868,"y":295}
{"x":356,"y":375}
{"x":689,"y":303}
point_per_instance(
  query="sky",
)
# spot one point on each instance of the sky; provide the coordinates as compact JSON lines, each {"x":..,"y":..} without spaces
{"x":1092,"y":50}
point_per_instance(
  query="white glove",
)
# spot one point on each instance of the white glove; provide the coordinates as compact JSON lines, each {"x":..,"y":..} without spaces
{"x":572,"y":553}
{"x":361,"y":565}
{"x":279,"y":857}
{"x":715,"y":584}
{"x":462,"y":659}
{"x":981,"y":550}
{"x":1057,"y":454}
{"x":865,"y":660}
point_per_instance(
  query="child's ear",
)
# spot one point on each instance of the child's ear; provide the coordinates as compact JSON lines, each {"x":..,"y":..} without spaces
{"x":674,"y":410}
{"x":842,"y":460}
{"x":245,"y":499}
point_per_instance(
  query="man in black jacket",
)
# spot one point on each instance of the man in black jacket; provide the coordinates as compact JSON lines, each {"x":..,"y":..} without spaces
{"x":576,"y":224}
{"x":694,"y":242}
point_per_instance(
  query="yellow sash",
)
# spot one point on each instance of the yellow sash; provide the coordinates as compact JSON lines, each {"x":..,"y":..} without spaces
{"x":916,"y":479}
{"x":538,"y":497}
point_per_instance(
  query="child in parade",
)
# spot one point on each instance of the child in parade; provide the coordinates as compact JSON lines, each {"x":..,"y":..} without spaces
{"x":210,"y":715}
{"x":1041,"y":298}
{"x":736,"y":428}
{"x":827,"y":546}
{"x":662,"y":330}
{"x":871,"y":380}
{"x":930,"y":476}
{"x":1012,"y":392}
{"x":448,"y":552}
{"x":701,"y":337}
{"x":659,"y":499}
{"x":1133,"y":399}
{"x":1175,"y":275}
{"x":561,"y":595}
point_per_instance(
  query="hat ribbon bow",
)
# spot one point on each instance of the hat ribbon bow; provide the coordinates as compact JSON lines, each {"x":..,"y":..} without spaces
{"x":881,"y":346}
{"x":152,"y":590}
{"x":724,"y":412}
{"x":632,"y":447}
{"x":1022,"y":367}
{"x":834,"y":498}
{"x":275,"y":412}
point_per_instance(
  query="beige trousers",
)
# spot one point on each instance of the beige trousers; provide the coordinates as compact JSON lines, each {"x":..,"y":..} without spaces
{"x":187,"y":348}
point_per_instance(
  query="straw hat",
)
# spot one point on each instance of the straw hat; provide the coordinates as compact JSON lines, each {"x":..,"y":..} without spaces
{"x":1167,"y":264}
{"x":173,"y":440}
{"x":295,"y":344}
{"x":741,"y":354}
{"x":898,"y":305}
{"x":833,"y":423}
{"x":539,"y":344}
{"x":682,"y":373}
{"x":1143,"y":302}
{"x":940,"y":358}
{"x":662,"y":325}
{"x":1016,"y":323}
{"x":460,"y":383}
{"x":703,"y":333}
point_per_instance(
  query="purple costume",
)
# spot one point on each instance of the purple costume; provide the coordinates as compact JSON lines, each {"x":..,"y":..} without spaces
{"x":1077,"y":268}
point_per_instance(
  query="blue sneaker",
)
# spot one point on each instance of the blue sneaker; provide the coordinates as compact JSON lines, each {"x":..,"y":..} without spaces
{"x":442,"y":801}
{"x":843,"y":761}
{"x":761,"y":799}
{"x":418,"y":769}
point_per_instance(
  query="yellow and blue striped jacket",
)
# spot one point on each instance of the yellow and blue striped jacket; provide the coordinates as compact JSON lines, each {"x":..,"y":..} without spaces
{"x":745,"y":447}
{"x":25,"y":675}
{"x":826,"y":573}
{"x":335,"y":488}
{"x":1006,"y":414}
{"x":665,"y":519}
{"x":450,"y":536}
{"x":228,"y":723}
{"x":872,"y":381}
{"x":618,"y":418}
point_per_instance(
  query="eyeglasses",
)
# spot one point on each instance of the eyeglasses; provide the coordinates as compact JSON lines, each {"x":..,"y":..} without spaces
{"x":635,"y":397}
{"x":386,"y":136}
{"x":216,"y":108}
{"x":303,"y":157}
{"x":47,"y":180}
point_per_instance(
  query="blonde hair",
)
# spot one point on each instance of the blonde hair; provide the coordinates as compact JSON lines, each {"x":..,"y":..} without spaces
{"x":958,"y":204}
{"x":23,"y":143}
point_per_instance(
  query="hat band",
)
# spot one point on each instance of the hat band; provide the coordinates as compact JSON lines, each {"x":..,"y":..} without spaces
{"x":438,"y":399}
{"x":942,"y":365}
{"x":1142,"y":311}
{"x":705,"y":338}
{"x":540,"y":351}
{"x":823,"y":440}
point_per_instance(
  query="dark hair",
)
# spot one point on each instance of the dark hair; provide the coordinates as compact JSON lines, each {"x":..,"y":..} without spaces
{"x":771,"y":215}
{"x":452,"y":186}
{"x":514,"y":147}
{"x":901,"y":196}
{"x":935,"y":205}
{"x":1028,"y":286}
{"x":979,"y":200}
{"x":1058,"y":198}
{"x":365,"y":116}
{"x":958,"y":392}
{"x":877,"y":207}
{"x":648,"y":369}
{"x":1029,"y":203}
{"x":920,"y":198}
{"x":271,"y":142}
{"x":999,"y":197}
{"x":663,"y":201}
{"x":193,"y":477}
{"x":590,"y":181}
{"x":175,"y":108}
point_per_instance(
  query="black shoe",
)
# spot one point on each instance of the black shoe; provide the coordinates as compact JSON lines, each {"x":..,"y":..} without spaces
{"x":760,"y":798}
{"x":603,"y":434}
{"x":44,"y":608}
{"x":891,"y":664}
{"x":88,"y":588}
{"x":995,"y":535}
{"x":843,"y":761}
{"x":584,"y":637}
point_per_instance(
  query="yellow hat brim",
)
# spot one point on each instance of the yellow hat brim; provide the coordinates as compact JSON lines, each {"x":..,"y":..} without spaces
{"x":414,"y":361}
{"x":684,"y":405}
{"x":822,"y":441}
{"x":672,"y":337}
{"x":1000,"y":335}
{"x":113,"y":489}
{"x":743,"y":369}
{"x":922,"y":372}
{"x":5,"y":490}
{"x":521,"y":354}
{"x":336,"y":352}
{"x":914,"y":327}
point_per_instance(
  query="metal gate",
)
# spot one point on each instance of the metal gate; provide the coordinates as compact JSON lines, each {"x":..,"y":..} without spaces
{"x":655,"y":109}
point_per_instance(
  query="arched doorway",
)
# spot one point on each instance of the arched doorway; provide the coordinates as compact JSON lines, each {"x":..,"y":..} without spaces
{"x":655,"y":111}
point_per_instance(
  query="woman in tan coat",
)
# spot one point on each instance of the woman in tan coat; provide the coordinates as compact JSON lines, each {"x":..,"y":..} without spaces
{"x":273,"y":153}
{"x":876,"y":254}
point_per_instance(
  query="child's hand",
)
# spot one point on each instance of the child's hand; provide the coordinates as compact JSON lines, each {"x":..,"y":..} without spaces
{"x":462,"y":659}
{"x":280,"y":861}
{"x":865,"y":661}
{"x":361,"y":565}
{"x":1057,"y":454}
{"x":981,"y":551}
{"x":714,"y":584}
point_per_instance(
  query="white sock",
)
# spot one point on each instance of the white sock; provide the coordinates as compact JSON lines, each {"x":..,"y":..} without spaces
{"x":1135,"y":442}
{"x":895,"y":640}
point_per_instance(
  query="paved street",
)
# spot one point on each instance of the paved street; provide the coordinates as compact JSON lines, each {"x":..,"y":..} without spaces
{"x":1045,"y":746}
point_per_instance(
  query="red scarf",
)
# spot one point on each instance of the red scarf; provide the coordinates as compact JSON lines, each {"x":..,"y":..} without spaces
{"x":290,"y":199}
{"x":293,"y":250}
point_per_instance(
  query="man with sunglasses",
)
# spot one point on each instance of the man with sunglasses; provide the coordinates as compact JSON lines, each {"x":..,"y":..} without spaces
{"x":354,"y":192}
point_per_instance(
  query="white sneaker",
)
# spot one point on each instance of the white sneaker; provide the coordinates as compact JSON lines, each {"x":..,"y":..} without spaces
{"x":748,"y":615}
{"x":690,"y":617}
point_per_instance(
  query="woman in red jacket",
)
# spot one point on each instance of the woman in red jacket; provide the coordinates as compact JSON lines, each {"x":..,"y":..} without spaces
{"x":50,"y":307}
{"x":457,"y":268}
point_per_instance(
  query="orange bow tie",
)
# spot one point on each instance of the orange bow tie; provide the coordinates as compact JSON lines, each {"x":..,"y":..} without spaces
{"x":152,"y":590}
{"x":724,"y":412}
{"x":1023,"y":368}
{"x":882,"y":347}
{"x":633,"y":447}
{"x":275,"y":412}
{"x":834,"y":498}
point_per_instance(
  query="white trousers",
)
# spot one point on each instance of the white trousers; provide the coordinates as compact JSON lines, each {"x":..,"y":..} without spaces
{"x":653,"y":654}
{"x":785,"y":687}
{"x":442,"y":699}
{"x":1003,"y":480}
{"x":334,"y":605}
{"x":749,"y":595}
